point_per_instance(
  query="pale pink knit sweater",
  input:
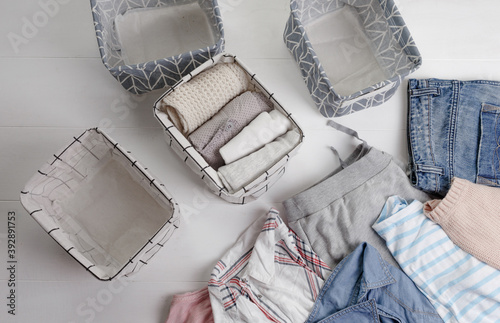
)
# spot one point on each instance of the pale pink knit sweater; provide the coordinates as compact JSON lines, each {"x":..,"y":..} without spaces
{"x":192,"y":307}
{"x":470,"y":216}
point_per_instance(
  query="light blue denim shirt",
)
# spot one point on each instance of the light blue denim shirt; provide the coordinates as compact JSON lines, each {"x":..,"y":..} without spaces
{"x":365,"y":288}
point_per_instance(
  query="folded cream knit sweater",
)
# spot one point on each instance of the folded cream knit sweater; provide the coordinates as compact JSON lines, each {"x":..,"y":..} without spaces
{"x":470,"y":216}
{"x":196,"y":101}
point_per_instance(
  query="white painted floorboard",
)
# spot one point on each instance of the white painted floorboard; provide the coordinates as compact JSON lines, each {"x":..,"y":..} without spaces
{"x":54,"y":86}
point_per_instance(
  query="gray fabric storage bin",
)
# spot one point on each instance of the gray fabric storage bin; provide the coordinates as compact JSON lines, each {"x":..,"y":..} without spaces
{"x":352,"y":54}
{"x":101,"y":206}
{"x":151,"y":44}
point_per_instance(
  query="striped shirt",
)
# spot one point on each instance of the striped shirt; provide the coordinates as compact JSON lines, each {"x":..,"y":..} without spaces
{"x":269,"y":275}
{"x":461,"y":288}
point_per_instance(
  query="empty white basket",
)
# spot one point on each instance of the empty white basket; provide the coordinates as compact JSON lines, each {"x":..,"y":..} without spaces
{"x":105,"y":209}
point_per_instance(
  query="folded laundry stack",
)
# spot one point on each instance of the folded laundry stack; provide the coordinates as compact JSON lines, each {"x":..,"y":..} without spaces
{"x":243,"y":171}
{"x":225,"y":124}
{"x":228,"y":128}
{"x":261,"y":131}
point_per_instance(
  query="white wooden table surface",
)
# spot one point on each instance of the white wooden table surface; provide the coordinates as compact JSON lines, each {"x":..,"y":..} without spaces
{"x":54,"y":86}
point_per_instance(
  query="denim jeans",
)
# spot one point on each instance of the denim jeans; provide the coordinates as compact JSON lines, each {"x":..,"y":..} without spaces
{"x":453,"y":131}
{"x":364,"y":288}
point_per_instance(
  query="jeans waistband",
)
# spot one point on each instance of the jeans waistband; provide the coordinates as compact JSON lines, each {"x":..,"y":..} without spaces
{"x":336,"y":186}
{"x":422,"y":83}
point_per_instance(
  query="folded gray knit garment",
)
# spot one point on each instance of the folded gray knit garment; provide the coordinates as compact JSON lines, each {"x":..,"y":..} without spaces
{"x":224,"y":134}
{"x":242,"y":109}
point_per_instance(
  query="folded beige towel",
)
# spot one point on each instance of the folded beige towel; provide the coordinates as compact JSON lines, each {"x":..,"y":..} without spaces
{"x":470,"y":216}
{"x":194,"y":102}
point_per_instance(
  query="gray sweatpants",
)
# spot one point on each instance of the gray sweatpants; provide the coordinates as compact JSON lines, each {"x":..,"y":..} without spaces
{"x":336,"y":215}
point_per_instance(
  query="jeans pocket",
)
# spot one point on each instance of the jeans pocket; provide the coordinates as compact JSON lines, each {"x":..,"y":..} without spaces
{"x":488,"y":160}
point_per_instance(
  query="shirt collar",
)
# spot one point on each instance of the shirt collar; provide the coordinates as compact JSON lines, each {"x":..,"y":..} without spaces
{"x":249,"y":258}
{"x":363,"y":270}
{"x":261,"y":265}
{"x":253,"y":254}
{"x":376,"y":270}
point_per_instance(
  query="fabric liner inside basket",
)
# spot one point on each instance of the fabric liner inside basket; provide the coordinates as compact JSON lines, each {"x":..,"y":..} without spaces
{"x":355,"y":45}
{"x":155,"y":25}
{"x":102,"y":205}
{"x":148,"y":34}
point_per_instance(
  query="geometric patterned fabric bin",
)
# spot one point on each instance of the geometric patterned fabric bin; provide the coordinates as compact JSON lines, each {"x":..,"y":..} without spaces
{"x":352,"y":54}
{"x":151,"y":44}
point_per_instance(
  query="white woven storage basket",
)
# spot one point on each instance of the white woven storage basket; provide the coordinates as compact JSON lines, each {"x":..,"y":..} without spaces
{"x":102,"y":206}
{"x":181,"y":145}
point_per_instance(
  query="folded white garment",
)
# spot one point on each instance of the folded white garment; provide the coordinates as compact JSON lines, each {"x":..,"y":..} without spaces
{"x":261,"y":131}
{"x":242,"y":172}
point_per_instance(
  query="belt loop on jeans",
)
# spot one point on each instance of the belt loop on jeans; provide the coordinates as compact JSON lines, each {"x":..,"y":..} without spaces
{"x":429,"y":169}
{"x":434,"y":91}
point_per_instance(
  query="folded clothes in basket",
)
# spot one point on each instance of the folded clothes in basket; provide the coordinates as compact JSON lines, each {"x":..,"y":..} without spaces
{"x":264,"y":129}
{"x":257,"y":180}
{"x":226,"y":123}
{"x":245,"y":170}
{"x":224,"y":134}
{"x":192,"y":104}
